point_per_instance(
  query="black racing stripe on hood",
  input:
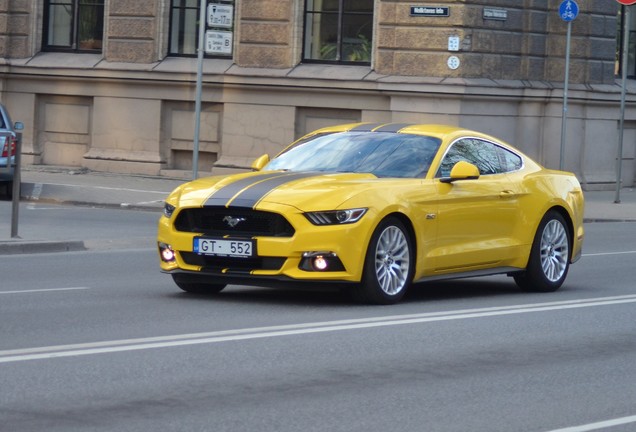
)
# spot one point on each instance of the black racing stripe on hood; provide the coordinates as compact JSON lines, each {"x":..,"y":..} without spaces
{"x":392,"y":127}
{"x":226,"y":193}
{"x":255,"y":193}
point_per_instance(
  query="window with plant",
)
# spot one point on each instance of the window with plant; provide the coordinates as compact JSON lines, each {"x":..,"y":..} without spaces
{"x":73,"y":25}
{"x":338,"y":31}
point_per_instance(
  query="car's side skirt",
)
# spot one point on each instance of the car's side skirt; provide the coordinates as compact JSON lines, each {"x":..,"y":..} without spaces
{"x":472,"y":273}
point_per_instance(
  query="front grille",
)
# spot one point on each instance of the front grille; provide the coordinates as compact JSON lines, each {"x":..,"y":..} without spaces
{"x":220,"y":221}
{"x":215,"y":263}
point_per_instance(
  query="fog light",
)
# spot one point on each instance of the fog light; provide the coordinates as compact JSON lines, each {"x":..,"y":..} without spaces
{"x":166,"y":252}
{"x":320,"y":262}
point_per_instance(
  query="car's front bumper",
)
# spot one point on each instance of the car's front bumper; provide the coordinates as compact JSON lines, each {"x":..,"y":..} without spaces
{"x":277,"y":258}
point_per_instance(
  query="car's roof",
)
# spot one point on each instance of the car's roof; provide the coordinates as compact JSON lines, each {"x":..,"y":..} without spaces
{"x":440,"y":131}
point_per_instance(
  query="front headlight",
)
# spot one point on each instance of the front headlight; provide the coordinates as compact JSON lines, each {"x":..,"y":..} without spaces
{"x":335,"y":217}
{"x":168,"y":209}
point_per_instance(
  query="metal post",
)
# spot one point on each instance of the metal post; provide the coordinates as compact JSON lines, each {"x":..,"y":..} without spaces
{"x":199,"y":90}
{"x":564,"y":116}
{"x":625,"y":60}
{"x":15,"y":204}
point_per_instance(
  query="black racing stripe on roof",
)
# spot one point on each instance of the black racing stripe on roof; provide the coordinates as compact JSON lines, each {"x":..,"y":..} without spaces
{"x":255,"y":193}
{"x":368,"y":127}
{"x":223,"y":195}
{"x":392,"y":127}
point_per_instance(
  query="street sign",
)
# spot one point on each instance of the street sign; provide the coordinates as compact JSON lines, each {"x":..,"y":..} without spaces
{"x":218,"y":42}
{"x":627,"y":2}
{"x":430,"y":11}
{"x":220,"y":15}
{"x":569,"y":10}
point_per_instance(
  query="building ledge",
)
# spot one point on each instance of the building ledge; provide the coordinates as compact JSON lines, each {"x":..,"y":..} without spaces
{"x":310,"y":75}
{"x":62,"y":60}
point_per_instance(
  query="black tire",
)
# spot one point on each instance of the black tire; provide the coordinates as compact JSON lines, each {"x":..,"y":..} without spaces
{"x":8,"y":189}
{"x":197,"y":287}
{"x":549,"y":260}
{"x":389,"y":264}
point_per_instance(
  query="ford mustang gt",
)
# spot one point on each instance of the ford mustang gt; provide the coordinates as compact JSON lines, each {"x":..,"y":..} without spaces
{"x":376,"y":208}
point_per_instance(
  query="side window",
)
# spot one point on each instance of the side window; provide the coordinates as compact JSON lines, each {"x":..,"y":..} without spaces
{"x":73,"y":25}
{"x":509,"y":161}
{"x":483,"y":154}
{"x":338,"y":31}
{"x":184,"y":28}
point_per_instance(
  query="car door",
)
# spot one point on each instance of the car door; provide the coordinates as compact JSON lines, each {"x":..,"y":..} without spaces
{"x":476,"y":217}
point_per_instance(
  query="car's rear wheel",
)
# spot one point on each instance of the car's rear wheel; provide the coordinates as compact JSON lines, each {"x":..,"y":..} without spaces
{"x":8,"y":187}
{"x":197,"y":287}
{"x":389,"y":264}
{"x":549,"y":257}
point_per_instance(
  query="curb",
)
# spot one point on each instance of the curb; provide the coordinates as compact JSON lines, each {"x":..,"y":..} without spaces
{"x":58,"y":194}
{"x":14,"y":247}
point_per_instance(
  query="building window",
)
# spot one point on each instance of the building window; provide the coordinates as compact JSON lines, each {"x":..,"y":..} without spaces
{"x":338,"y":31}
{"x":184,"y":28}
{"x":73,"y":25}
{"x":631,"y":56}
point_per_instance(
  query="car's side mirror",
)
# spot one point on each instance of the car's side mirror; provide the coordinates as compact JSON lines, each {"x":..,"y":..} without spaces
{"x":259,"y":163}
{"x":18,"y":126}
{"x":462,"y":170}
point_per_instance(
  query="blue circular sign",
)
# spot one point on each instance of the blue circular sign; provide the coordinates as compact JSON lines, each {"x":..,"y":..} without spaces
{"x":568,"y":10}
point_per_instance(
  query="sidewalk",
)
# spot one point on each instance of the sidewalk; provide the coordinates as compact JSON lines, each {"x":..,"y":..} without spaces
{"x":78,"y":187}
{"x":82,"y":187}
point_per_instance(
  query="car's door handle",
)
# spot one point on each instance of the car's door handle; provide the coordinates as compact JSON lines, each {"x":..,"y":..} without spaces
{"x":507,"y":194}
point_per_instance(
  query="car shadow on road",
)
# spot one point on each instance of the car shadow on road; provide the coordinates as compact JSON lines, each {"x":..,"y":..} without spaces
{"x":461,"y":289}
{"x":324,"y":297}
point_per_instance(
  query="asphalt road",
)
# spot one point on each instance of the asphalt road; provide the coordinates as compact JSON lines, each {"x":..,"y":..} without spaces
{"x":101,"y":341}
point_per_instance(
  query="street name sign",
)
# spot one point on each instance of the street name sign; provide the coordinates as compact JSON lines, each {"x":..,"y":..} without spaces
{"x":430,"y":11}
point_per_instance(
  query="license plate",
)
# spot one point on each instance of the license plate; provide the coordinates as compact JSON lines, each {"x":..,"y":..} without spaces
{"x":218,"y":247}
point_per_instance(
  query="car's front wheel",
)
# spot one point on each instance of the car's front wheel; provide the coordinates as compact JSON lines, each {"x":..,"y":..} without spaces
{"x":549,"y":257}
{"x":389,"y":264}
{"x":197,"y":287}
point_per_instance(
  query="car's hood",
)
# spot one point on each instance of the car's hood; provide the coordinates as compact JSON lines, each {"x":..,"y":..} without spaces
{"x":303,"y":190}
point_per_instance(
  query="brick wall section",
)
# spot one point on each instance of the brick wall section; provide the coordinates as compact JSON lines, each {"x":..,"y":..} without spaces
{"x":15,"y":30}
{"x":132,"y":31}
{"x":265,"y":34}
{"x":528,"y":45}
{"x":593,"y":43}
{"x":4,"y":36}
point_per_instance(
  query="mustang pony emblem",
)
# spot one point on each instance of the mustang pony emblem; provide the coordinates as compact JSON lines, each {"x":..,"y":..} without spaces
{"x":233,"y":221}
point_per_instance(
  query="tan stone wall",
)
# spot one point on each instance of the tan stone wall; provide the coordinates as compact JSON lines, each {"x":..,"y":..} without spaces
{"x":177,"y":135}
{"x":133,"y":110}
{"x":528,"y":45}
{"x":265,"y":33}
{"x":15,"y":28}
{"x":132,"y":31}
{"x":64,"y":129}
{"x":125,"y":135}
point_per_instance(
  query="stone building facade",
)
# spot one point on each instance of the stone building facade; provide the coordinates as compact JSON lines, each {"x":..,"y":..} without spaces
{"x":127,"y":104}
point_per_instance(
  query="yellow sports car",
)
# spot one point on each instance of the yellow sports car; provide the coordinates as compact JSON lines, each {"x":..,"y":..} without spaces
{"x":376,"y":207}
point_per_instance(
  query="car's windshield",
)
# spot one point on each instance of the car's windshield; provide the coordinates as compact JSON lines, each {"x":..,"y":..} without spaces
{"x":383,"y":154}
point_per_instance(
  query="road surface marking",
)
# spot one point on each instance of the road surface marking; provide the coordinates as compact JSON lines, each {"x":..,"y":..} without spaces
{"x":609,"y":253}
{"x":73,"y":350}
{"x":39,"y":187}
{"x":44,"y":290}
{"x":598,"y":425}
